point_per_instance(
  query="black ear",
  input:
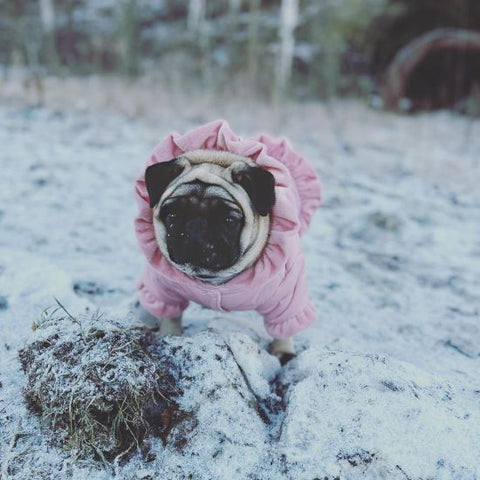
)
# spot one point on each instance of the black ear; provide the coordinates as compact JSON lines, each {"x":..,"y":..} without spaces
{"x":158,"y":177}
{"x":260,"y":186}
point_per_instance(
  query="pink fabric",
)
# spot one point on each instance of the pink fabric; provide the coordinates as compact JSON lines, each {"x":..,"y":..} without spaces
{"x":276,"y":285}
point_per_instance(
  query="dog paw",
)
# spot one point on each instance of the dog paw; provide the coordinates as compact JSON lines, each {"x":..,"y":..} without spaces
{"x":284,"y":358}
{"x":160,"y":327}
{"x":283,"y":349}
{"x":145,"y":317}
{"x":170,"y":326}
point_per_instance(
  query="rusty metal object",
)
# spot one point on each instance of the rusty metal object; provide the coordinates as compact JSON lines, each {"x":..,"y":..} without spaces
{"x":411,"y":55}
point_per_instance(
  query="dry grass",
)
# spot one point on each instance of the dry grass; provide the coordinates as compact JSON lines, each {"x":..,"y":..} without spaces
{"x":441,"y":145}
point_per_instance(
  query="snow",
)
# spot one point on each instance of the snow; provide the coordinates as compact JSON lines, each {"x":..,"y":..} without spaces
{"x":386,"y":418}
{"x":386,"y":381}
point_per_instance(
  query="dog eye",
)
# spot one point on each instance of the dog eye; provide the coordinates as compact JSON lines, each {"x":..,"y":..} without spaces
{"x":171,"y":216}
{"x":230,"y":220}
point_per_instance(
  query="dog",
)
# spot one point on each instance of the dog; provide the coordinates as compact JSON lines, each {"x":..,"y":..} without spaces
{"x":220,"y":223}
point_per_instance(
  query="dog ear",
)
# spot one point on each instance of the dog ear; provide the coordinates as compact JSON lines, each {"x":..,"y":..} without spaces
{"x":260,"y":187}
{"x":158,"y":176}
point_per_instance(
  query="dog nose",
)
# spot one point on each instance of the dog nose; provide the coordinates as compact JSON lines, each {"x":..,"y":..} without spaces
{"x":211,"y":260}
{"x":197,"y":229}
{"x":200,"y":248}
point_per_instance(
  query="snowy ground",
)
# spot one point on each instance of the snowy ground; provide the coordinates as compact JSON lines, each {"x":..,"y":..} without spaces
{"x":387,"y":383}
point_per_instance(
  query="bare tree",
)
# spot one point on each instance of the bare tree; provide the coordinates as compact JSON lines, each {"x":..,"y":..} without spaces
{"x":128,"y":35}
{"x":47,"y":18}
{"x":288,"y":23}
{"x":252,"y":48}
{"x":196,"y":16}
{"x":47,"y":15}
{"x":234,"y":5}
{"x":197,"y":26}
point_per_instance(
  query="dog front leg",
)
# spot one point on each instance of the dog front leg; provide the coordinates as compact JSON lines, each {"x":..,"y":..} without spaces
{"x":163,"y":326}
{"x":170,"y":326}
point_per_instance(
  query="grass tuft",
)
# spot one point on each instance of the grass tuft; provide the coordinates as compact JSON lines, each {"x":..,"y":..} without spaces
{"x":97,"y":388}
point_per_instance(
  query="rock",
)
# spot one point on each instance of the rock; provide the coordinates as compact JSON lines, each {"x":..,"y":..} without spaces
{"x":375,"y":227}
{"x":3,"y":303}
{"x":367,"y":416}
{"x":226,"y":384}
{"x":88,"y":287}
{"x":103,"y":390}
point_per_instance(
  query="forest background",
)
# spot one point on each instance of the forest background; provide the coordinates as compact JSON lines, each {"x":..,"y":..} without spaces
{"x":267,"y":49}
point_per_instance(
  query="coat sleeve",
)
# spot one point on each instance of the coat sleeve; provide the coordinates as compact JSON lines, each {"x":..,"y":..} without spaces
{"x":157,"y":298}
{"x":286,"y":307}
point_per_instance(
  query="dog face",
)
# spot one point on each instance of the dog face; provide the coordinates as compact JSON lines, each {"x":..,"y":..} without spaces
{"x":203,"y":226}
{"x":211,"y":212}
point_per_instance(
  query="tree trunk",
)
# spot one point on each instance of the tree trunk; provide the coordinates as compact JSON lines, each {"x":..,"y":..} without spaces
{"x":128,"y":35}
{"x":196,"y":23}
{"x":252,"y":48}
{"x":196,"y":16}
{"x":288,"y":22}
{"x":47,"y":17}
{"x":411,"y":55}
{"x":234,"y":5}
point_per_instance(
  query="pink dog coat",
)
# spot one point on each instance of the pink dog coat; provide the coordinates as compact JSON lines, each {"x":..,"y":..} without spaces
{"x":275,"y":285}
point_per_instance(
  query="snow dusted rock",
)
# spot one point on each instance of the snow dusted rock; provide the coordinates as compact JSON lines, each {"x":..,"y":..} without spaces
{"x":226,"y":384}
{"x":366,"y":416}
{"x":196,"y":406}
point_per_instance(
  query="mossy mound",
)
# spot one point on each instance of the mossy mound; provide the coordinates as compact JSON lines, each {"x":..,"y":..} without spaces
{"x":97,"y":387}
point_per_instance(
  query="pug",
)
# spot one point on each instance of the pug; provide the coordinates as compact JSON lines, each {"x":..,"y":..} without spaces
{"x":209,"y":230}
